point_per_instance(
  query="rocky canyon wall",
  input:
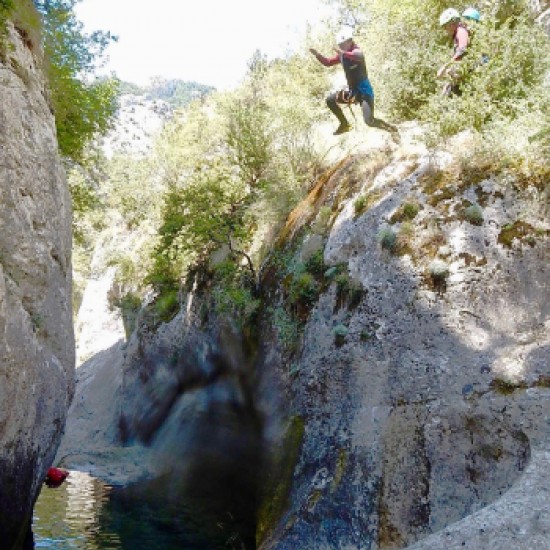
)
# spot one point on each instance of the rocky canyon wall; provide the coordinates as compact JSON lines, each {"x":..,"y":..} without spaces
{"x":36,"y":347}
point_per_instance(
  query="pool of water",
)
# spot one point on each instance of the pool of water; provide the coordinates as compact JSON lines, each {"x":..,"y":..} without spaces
{"x":86,"y":514}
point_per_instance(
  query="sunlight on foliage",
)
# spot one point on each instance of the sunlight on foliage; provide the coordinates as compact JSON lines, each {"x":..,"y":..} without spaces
{"x":84,"y":107}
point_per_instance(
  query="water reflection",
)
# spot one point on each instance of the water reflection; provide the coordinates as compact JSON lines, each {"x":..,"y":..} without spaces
{"x":86,"y":514}
{"x":69,"y":516}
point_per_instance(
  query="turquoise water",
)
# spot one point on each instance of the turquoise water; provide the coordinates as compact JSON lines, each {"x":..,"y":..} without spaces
{"x":86,"y":514}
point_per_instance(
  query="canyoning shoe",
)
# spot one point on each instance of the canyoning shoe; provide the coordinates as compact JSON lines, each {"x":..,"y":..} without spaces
{"x":342,"y":129}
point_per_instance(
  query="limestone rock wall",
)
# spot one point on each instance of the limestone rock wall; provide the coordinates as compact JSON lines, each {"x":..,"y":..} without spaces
{"x":36,"y":345}
{"x":436,"y":401}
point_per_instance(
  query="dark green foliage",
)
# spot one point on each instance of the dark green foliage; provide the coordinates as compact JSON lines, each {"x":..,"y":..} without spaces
{"x":316,"y":263}
{"x":166,"y":306}
{"x":199,"y":217}
{"x":164,"y":276}
{"x":234,"y":293}
{"x":304,"y":289}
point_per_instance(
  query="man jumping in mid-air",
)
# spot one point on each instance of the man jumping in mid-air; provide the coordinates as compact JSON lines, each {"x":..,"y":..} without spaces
{"x":359,"y":87}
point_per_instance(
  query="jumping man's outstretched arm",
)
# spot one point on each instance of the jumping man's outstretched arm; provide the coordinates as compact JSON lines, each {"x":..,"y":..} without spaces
{"x":326,"y":61}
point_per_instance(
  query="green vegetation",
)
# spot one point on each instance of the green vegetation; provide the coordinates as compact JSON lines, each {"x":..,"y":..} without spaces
{"x":474,"y":214}
{"x":6,"y":10}
{"x":340,"y":333}
{"x":83,"y":108}
{"x":504,"y":101}
{"x":348,"y":291}
{"x":521,"y":231}
{"x":407,"y":211}
{"x":129,"y":305}
{"x":230,"y":171}
{"x":304,"y":289}
{"x":507,"y":387}
{"x":387,"y":239}
{"x":364,"y":202}
{"x":316,"y":264}
{"x":234,"y":294}
{"x":209,"y":200}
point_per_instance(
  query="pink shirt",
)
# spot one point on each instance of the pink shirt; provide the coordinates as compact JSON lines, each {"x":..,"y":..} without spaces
{"x":461,"y":40}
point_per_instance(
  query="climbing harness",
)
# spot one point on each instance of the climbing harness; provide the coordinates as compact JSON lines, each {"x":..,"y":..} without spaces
{"x":347,"y":97}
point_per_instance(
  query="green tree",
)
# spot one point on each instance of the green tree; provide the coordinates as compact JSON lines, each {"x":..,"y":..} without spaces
{"x":84,"y":107}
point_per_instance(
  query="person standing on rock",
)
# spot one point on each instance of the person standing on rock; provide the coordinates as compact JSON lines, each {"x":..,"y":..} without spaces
{"x":450,"y":21}
{"x":359,"y":88}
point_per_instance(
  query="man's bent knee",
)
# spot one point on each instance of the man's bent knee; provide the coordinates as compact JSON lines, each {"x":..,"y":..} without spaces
{"x":331,"y":100}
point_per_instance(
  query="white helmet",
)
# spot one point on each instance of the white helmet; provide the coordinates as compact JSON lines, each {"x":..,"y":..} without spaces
{"x":343,"y":35}
{"x":449,"y":15}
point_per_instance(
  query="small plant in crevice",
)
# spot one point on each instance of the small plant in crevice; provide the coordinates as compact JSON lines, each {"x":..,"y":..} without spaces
{"x":406,"y":212}
{"x":331,"y":272}
{"x":506,"y":387}
{"x":432,"y":240}
{"x":521,"y":231}
{"x":365,"y":335}
{"x":348,"y":291}
{"x":405,"y":238}
{"x":435,"y":179}
{"x":387,"y":239}
{"x":37,"y":322}
{"x":438,"y":272}
{"x":364,"y":202}
{"x":340,"y":333}
{"x":316,"y":263}
{"x":294,"y":369}
{"x":304,"y":289}
{"x":473,"y":214}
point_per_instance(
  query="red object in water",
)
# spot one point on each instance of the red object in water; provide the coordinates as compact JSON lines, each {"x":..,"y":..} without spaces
{"x":55,"y":477}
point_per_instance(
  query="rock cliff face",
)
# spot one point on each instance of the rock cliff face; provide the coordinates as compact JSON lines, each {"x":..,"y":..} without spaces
{"x":425,"y":397}
{"x":406,"y":402}
{"x":37,"y":350}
